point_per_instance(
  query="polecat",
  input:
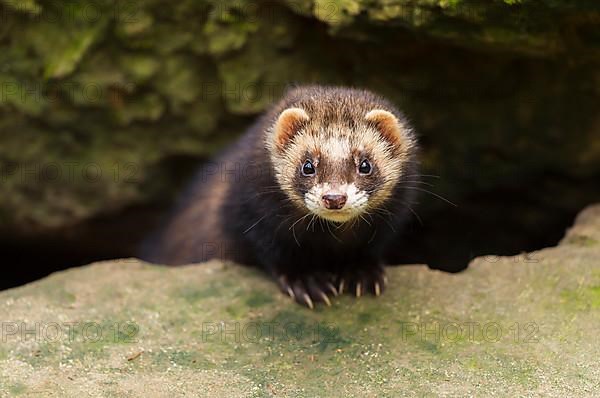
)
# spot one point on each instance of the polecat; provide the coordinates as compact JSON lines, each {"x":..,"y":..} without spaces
{"x":313,"y":193}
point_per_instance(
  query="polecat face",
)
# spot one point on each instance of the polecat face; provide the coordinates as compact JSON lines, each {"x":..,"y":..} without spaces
{"x":339,"y":168}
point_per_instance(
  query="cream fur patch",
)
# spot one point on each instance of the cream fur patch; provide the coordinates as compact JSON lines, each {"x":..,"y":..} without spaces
{"x":356,"y":202}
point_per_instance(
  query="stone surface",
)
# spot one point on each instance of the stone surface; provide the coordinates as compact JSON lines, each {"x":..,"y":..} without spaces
{"x":508,"y":326}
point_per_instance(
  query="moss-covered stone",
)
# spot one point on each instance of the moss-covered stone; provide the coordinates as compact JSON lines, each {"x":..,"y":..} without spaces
{"x":503,"y":92}
{"x":524,"y":325}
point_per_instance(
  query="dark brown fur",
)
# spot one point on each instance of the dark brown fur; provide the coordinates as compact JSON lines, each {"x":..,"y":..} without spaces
{"x":235,"y":209}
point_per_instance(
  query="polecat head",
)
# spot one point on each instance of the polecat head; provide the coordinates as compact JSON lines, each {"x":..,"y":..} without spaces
{"x":338,"y":153}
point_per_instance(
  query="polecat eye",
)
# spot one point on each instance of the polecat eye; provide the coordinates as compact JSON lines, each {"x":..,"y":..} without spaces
{"x":308,"y":168}
{"x":365,"y":167}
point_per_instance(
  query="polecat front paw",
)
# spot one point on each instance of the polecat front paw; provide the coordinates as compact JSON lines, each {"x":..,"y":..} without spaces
{"x":366,"y":280}
{"x":309,"y":289}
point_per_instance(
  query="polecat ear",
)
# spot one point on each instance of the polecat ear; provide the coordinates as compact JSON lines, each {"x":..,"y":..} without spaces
{"x":388,"y":125}
{"x":288,"y":124}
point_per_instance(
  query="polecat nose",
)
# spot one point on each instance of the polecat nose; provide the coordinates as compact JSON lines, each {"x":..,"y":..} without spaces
{"x":334,"y":201}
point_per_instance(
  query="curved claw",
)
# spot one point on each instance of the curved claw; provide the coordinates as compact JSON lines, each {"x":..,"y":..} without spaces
{"x":325,"y":299}
{"x":285,"y":286}
{"x":341,"y":287}
{"x":308,"y":301}
{"x":290,"y":292}
{"x":332,"y":288}
{"x":362,"y":281}
{"x":309,"y":290}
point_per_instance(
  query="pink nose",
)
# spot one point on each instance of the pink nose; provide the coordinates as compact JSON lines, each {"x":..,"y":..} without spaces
{"x":334,"y":201}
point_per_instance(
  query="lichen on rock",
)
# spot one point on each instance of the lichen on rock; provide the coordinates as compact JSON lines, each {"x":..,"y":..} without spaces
{"x":105,"y":83}
{"x":517,"y":325}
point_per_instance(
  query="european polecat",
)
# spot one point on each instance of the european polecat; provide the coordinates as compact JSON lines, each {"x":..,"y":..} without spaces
{"x":313,"y":193}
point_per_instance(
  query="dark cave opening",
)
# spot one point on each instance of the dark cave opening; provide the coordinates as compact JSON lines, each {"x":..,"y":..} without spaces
{"x":498,"y":222}
{"x":503,"y":91}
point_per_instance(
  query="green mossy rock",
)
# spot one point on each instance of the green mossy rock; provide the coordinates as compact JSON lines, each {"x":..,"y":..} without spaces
{"x":96,"y":95}
{"x":508,"y":326}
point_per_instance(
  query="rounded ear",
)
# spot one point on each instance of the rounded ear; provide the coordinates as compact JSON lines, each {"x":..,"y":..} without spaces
{"x":388,"y":125}
{"x":287,"y":125}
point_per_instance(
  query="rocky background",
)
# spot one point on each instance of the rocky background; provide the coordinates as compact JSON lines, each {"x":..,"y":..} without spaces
{"x":106,"y":106}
